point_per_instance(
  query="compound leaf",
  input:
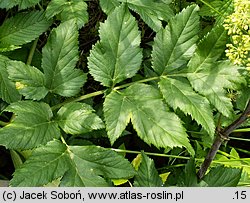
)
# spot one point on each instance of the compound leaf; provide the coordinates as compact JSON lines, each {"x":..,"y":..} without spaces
{"x":31,"y":127}
{"x":46,"y":164}
{"x":29,"y":80}
{"x":175,"y":45}
{"x":143,"y":105}
{"x":117,"y":55}
{"x":73,"y":9}
{"x":60,"y":55}
{"x":22,"y":28}
{"x":22,"y":4}
{"x":179,"y":94}
{"x":8,"y":91}
{"x":77,"y":118}
{"x":152,"y":12}
{"x":212,"y":80}
{"x":147,"y":175}
{"x":76,"y":165}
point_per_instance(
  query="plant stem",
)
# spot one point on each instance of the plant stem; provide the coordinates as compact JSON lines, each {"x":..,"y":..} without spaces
{"x":222,"y":135}
{"x":149,"y":153}
{"x":83,"y":97}
{"x":93,"y":94}
{"x":32,"y":51}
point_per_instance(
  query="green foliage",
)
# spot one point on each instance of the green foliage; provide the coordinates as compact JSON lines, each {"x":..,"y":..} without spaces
{"x":143,"y":105}
{"x":133,"y":75}
{"x":117,"y":55}
{"x":8,"y":91}
{"x":67,"y":10}
{"x":60,"y":55}
{"x":77,"y":165}
{"x":177,"y":42}
{"x":22,"y":4}
{"x":31,"y":127}
{"x":147,"y":175}
{"x":21,"y":29}
{"x":179,"y":94}
{"x":77,"y":118}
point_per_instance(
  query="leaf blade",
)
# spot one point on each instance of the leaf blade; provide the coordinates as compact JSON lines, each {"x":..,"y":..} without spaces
{"x":143,"y":105}
{"x":60,"y":55}
{"x":179,"y":94}
{"x":22,"y":28}
{"x":46,"y":164}
{"x":77,"y":118}
{"x":174,"y":45}
{"x":147,"y":175}
{"x":212,"y":82}
{"x":117,"y":55}
{"x":8,"y":92}
{"x":30,"y":80}
{"x":152,"y":12}
{"x":32,"y":126}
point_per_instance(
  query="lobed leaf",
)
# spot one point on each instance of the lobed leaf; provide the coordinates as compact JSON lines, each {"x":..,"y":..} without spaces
{"x":143,"y":105}
{"x":179,"y":94}
{"x":22,"y":4}
{"x":147,"y":175}
{"x":29,"y":80}
{"x":60,"y":55}
{"x":77,"y":118}
{"x":73,"y":9}
{"x":8,"y":91}
{"x":74,"y":165}
{"x":31,"y":127}
{"x":175,"y":45}
{"x":117,"y":55}
{"x":22,"y":28}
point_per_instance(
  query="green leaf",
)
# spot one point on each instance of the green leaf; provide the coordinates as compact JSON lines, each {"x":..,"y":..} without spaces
{"x":188,"y":178}
{"x":29,"y":80}
{"x":223,"y":177}
{"x":8,"y":91}
{"x":22,"y":4}
{"x":77,"y":118}
{"x":76,"y":165}
{"x":117,"y":55}
{"x":31,"y":127}
{"x":151,"y":12}
{"x":175,"y":45}
{"x":46,"y":164}
{"x":96,"y":162}
{"x":209,"y":49}
{"x":179,"y":94}
{"x":109,"y":6}
{"x":147,"y":175}
{"x":212,"y":81}
{"x":143,"y":105}
{"x":22,"y":28}
{"x":60,"y":56}
{"x":73,"y":9}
